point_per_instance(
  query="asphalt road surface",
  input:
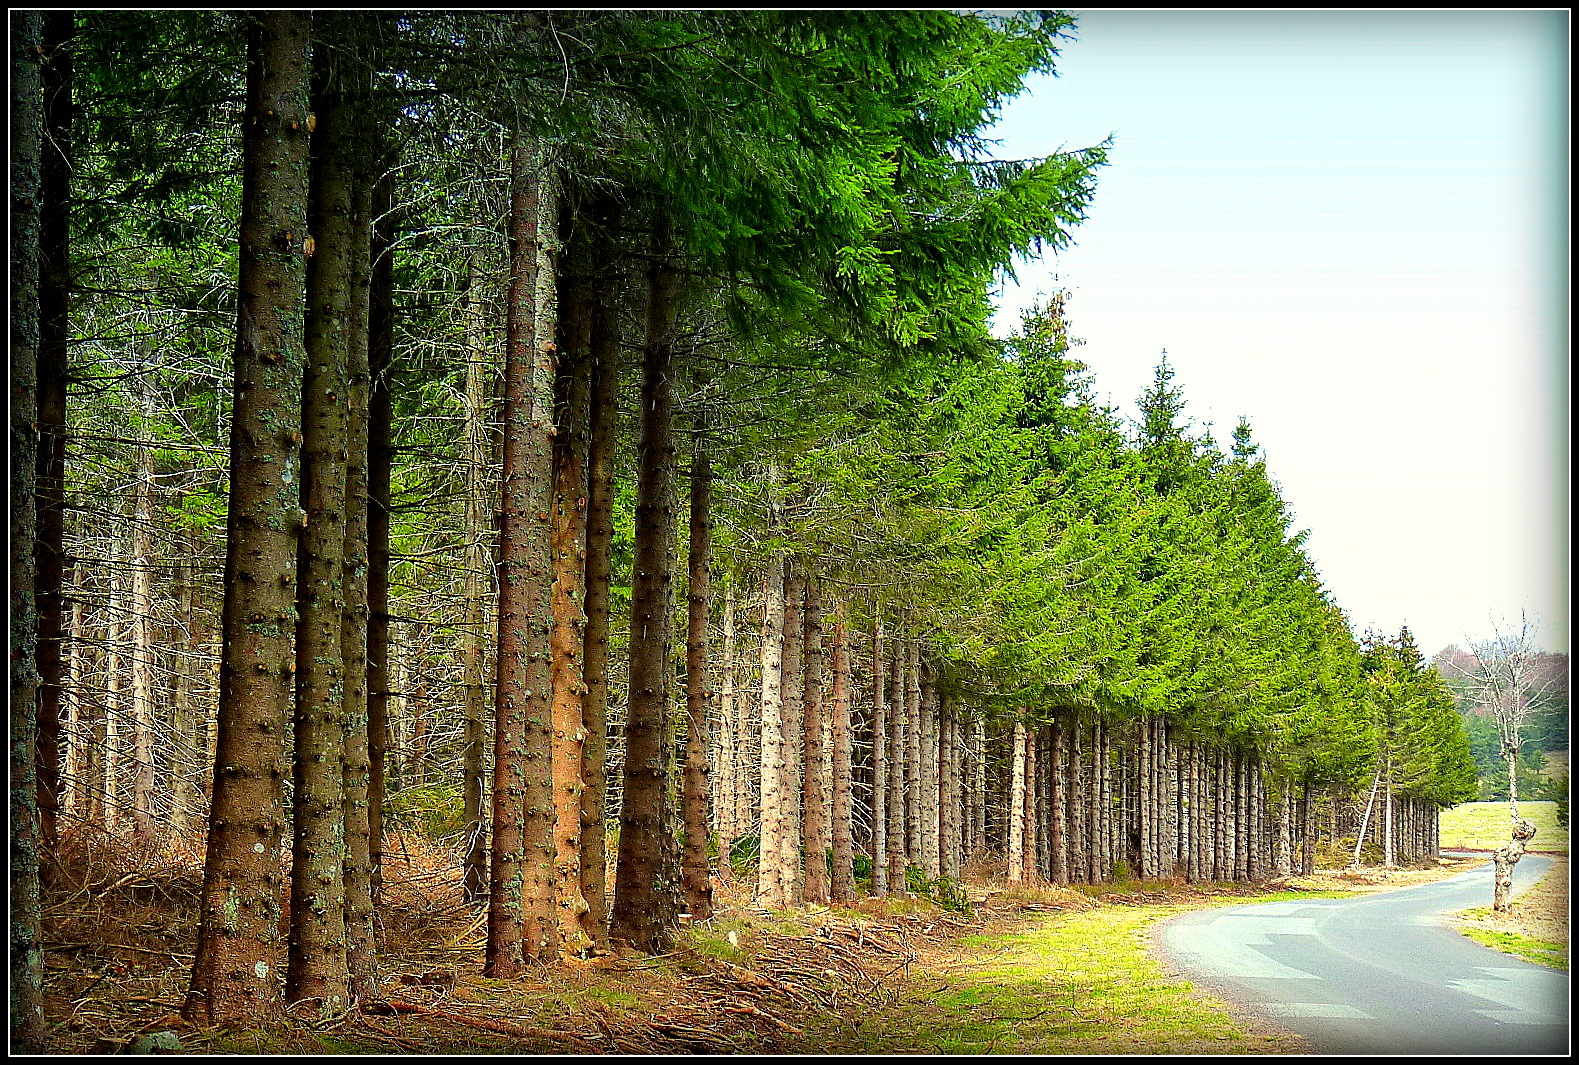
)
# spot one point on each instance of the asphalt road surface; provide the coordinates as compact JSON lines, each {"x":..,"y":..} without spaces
{"x":1379,"y":974}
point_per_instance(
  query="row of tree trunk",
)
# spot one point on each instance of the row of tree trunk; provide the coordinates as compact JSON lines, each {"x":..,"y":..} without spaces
{"x":1093,"y":801}
{"x":1079,"y":800}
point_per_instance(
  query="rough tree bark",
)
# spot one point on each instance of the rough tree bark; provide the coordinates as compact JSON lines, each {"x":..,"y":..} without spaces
{"x":603,"y":353}
{"x":1057,"y":841}
{"x":1504,"y":858}
{"x":1017,"y":806}
{"x":927,"y":761}
{"x":900,"y":781}
{"x":948,"y":791}
{"x":792,"y":696}
{"x":842,"y":888}
{"x":477,"y":588}
{"x":54,"y":296}
{"x":233,"y":973}
{"x":568,"y":548}
{"x":880,"y":762}
{"x":316,"y":959}
{"x":140,"y":629}
{"x":772,"y":892}
{"x":695,"y":874}
{"x":380,"y":455}
{"x":645,"y":909}
{"x":814,"y":822}
{"x":728,"y":744}
{"x":521,"y":888}
{"x":29,"y":1033}
{"x":361,"y":948}
{"x":915,"y":781}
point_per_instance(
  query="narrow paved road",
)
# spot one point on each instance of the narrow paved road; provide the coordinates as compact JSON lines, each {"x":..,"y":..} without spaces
{"x":1379,"y":974}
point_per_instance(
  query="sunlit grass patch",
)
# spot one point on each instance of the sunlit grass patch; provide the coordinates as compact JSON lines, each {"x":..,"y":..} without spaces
{"x":1098,"y":989}
{"x":1540,"y":951}
{"x":1080,"y":982}
{"x":1485,"y":826}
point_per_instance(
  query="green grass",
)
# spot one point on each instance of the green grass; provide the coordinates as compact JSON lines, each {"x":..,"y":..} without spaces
{"x":1540,"y":951}
{"x":1078,"y":983}
{"x":1484,"y":826}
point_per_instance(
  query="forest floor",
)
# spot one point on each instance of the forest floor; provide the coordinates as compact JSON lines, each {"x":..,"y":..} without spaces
{"x":882,"y":976}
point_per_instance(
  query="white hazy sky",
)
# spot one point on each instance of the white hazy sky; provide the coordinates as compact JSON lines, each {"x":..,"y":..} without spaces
{"x":1350,"y":227}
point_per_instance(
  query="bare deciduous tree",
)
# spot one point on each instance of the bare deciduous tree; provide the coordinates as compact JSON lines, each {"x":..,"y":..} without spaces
{"x":1506,"y":681}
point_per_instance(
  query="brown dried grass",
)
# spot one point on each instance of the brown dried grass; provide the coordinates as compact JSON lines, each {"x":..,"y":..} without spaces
{"x":120,"y":925}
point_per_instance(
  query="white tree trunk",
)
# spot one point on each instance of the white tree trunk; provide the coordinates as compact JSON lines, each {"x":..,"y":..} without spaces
{"x":772,"y":891}
{"x":1016,"y":868}
{"x":880,"y":762}
{"x":728,"y":764}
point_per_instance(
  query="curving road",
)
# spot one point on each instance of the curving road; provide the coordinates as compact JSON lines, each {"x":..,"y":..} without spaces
{"x":1379,"y":974}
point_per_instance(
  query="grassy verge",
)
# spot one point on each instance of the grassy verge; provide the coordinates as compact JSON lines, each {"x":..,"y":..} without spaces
{"x":1074,"y":983}
{"x":1540,"y":951}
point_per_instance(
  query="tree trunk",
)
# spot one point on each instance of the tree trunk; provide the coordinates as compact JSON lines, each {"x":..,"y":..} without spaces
{"x":521,"y":922}
{"x":361,"y":948}
{"x":185,"y":746}
{"x":1504,"y":858}
{"x":814,"y":821}
{"x":772,"y":891}
{"x":73,"y":794}
{"x":54,"y":294}
{"x":948,"y":790}
{"x":1057,"y":840}
{"x":380,"y":412}
{"x":880,"y":763}
{"x":972,"y":835}
{"x":911,"y":674}
{"x":316,"y":968}
{"x":603,"y":354}
{"x":29,"y":1033}
{"x":927,"y":804}
{"x":477,"y":586}
{"x":115,"y":628}
{"x":899,"y":779}
{"x":646,"y":890}
{"x":571,"y":404}
{"x":1389,"y":844}
{"x":142,"y":642}
{"x":793,"y":694}
{"x":1033,"y":805}
{"x":695,"y":871}
{"x":842,"y":888}
{"x":729,"y":764}
{"x":1365,"y":821}
{"x":1102,"y":818}
{"x":1307,"y":831}
{"x":1017,"y":788}
{"x":92,"y":712}
{"x":233,"y":974}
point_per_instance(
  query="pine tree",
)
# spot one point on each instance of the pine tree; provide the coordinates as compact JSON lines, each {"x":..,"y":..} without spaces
{"x":521,"y":923}
{"x":317,"y":961}
{"x":645,"y":910}
{"x":233,"y":975}
{"x":29,"y":1033}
